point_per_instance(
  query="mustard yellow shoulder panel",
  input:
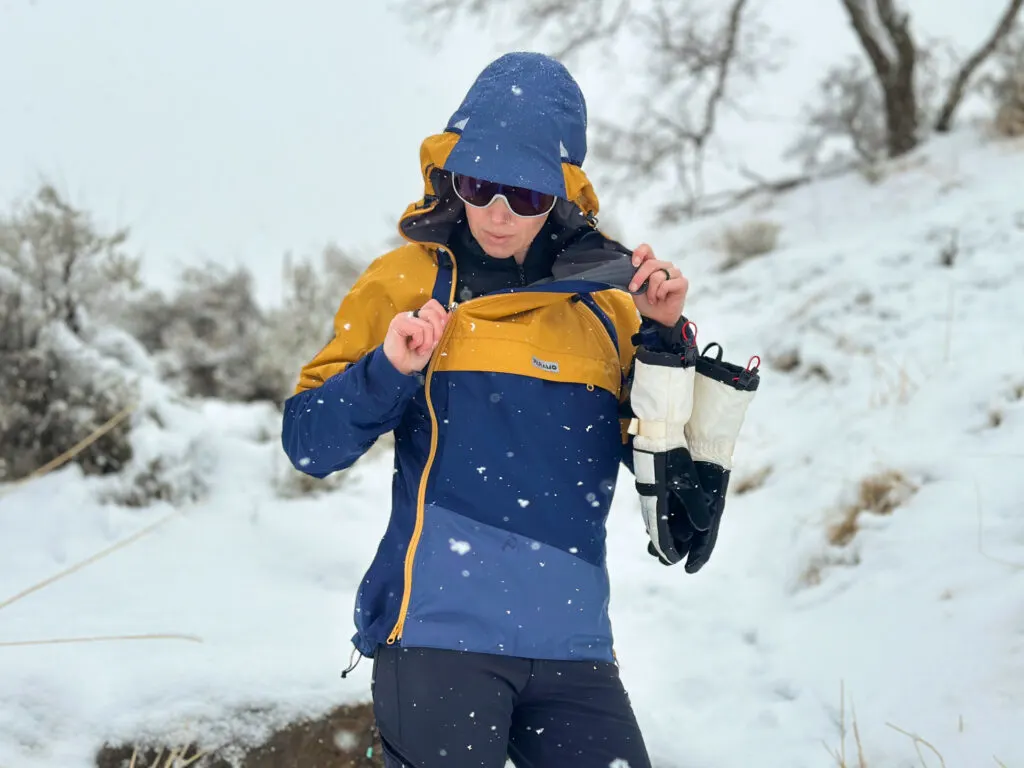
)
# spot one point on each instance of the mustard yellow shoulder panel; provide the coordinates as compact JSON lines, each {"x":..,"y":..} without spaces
{"x":619,"y":307}
{"x":398,"y":281}
{"x":540,"y":335}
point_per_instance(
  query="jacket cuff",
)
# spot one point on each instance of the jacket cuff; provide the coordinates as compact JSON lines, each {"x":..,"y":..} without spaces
{"x":664,"y":338}
{"x":387,"y":382}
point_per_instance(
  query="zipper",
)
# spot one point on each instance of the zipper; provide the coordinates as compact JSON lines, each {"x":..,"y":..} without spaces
{"x":604,"y":324}
{"x":421,"y":495}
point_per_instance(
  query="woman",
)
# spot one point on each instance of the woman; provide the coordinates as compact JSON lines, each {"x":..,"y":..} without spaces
{"x":499,"y":345}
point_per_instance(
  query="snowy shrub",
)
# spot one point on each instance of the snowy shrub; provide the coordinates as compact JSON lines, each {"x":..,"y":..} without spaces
{"x":304,"y":322}
{"x":175,"y":479}
{"x":146,"y":318}
{"x":206,"y":337}
{"x":121,"y":346}
{"x":72,"y":271}
{"x":57,"y":275}
{"x":214,"y":334}
{"x":290,"y":483}
{"x":56,"y":393}
{"x":747,"y":241}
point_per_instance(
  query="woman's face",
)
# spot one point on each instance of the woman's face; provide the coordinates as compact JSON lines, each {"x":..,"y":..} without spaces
{"x":500,"y":232}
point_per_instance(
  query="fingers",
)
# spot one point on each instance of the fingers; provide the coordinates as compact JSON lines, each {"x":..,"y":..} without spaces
{"x":422,"y":328}
{"x":642,"y":253}
{"x":436,"y":315}
{"x":643,"y":258}
{"x":417,"y":332}
{"x":663,"y":281}
{"x":677,"y":286}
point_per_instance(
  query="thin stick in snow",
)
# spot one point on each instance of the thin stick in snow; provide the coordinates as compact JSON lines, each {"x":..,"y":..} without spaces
{"x":88,"y":561}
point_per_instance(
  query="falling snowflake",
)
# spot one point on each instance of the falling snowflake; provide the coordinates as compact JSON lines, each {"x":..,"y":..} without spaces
{"x":524,"y":503}
{"x":459,"y":547}
{"x":517,"y":90}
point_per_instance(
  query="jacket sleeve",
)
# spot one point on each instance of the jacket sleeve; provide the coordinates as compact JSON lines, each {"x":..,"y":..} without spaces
{"x":349,"y":394}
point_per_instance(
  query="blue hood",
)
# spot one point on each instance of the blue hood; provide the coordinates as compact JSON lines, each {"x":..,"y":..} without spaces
{"x":522,"y":118}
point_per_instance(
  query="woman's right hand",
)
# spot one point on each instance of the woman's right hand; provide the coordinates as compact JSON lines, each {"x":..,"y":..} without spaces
{"x":413,"y":336}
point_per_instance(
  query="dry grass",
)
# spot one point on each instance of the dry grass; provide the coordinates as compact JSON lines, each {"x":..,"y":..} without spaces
{"x":752,"y":481}
{"x":345,"y":737}
{"x":786,"y":360}
{"x":176,"y":758}
{"x":839,"y":754}
{"x":88,"y":561}
{"x":813,"y":574}
{"x":747,"y":241}
{"x":895,"y":385}
{"x":878,"y":494}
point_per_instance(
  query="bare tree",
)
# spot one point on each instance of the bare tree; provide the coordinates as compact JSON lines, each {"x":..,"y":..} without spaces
{"x":889,"y":45}
{"x":1004,"y":86}
{"x":884,"y":32}
{"x":696,"y":56}
{"x":959,"y":85}
{"x":846,"y":120}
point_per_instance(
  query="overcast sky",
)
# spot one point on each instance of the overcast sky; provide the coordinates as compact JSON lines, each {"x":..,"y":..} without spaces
{"x":239,"y":130}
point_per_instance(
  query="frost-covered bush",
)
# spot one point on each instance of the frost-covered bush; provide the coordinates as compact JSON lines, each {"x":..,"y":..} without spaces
{"x":57,"y":275}
{"x":211,"y":337}
{"x":56,"y":392}
{"x":206,"y":336}
{"x":304,"y":322}
{"x":71,"y":271}
{"x":176,"y":477}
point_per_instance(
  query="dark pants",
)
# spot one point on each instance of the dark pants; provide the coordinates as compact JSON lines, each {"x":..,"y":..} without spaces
{"x":449,"y":709}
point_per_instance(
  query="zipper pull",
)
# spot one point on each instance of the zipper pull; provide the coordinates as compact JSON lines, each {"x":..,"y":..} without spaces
{"x":353,"y":662}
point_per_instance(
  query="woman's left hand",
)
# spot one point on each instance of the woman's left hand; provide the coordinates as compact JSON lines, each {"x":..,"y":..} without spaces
{"x":666,"y":290}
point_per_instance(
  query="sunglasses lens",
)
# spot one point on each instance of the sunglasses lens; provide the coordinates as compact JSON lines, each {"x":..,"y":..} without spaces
{"x":526,"y":202}
{"x":475,"y":191}
{"x":522,"y":201}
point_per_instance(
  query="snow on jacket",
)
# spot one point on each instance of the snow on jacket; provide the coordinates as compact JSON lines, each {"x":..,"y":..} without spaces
{"x":508,"y":446}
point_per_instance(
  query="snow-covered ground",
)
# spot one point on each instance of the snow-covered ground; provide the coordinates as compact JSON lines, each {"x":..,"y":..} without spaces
{"x":903,"y":365}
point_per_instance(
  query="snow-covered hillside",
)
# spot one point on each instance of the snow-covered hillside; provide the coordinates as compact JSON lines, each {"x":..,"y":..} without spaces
{"x":889,"y":322}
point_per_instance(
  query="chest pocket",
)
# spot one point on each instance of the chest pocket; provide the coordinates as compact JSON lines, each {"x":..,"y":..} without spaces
{"x":542,"y":335}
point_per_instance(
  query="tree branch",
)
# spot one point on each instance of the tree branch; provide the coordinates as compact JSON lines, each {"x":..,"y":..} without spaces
{"x":863,"y":27}
{"x":898,"y":26}
{"x":728,"y":54}
{"x":959,"y":85}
